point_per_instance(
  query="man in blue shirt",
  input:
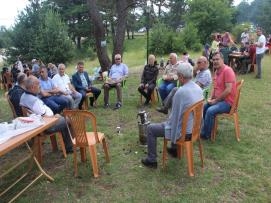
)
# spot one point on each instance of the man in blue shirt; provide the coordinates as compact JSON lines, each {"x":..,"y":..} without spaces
{"x":117,"y":74}
{"x":50,"y":94}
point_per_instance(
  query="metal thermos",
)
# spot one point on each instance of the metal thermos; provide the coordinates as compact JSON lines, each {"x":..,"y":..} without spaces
{"x":142,"y":126}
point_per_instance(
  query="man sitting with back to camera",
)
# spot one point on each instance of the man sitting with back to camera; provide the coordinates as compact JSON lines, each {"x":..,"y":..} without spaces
{"x":117,"y":74}
{"x":148,"y":79}
{"x":30,"y":101}
{"x":203,"y":79}
{"x":188,"y":94}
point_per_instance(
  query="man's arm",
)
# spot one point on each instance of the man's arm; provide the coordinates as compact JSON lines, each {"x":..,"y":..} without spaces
{"x":223,"y":95}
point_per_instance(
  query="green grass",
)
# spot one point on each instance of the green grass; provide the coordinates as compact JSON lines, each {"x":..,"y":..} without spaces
{"x":233,"y":172}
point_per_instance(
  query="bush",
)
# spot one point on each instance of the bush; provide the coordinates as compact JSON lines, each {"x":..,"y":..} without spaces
{"x":164,"y":40}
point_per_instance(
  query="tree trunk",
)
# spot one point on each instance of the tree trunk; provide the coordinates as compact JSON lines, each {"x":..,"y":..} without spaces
{"x":121,"y":10}
{"x":78,"y":42}
{"x":99,"y":34}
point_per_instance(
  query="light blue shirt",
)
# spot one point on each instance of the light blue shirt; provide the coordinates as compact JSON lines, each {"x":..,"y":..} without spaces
{"x":47,"y":84}
{"x":118,"y":71}
{"x":83,"y":80}
{"x":204,"y":77}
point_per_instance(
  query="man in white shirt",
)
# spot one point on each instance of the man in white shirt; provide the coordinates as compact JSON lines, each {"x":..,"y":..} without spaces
{"x":30,"y":101}
{"x":63,"y":83}
{"x":260,"y":50}
{"x":245,"y":36}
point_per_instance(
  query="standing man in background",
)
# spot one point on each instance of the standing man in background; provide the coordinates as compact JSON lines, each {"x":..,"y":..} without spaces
{"x":260,"y":50}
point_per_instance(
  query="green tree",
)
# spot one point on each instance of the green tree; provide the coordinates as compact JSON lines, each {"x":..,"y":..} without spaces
{"x":54,"y":44}
{"x":34,"y":37}
{"x":209,"y":16}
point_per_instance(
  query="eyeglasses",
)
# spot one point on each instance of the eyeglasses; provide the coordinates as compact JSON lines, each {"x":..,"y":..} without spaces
{"x":199,"y":62}
{"x":117,"y":58}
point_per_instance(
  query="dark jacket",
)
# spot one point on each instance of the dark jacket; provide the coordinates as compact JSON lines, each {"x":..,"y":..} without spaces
{"x":77,"y":83}
{"x":149,"y":74}
{"x":15,"y":95}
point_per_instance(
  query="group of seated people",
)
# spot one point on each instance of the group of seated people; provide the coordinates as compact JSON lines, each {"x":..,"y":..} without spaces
{"x":189,"y":93}
{"x":47,"y":97}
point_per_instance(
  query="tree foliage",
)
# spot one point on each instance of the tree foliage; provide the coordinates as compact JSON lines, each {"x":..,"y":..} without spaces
{"x":209,"y":16}
{"x":39,"y":33}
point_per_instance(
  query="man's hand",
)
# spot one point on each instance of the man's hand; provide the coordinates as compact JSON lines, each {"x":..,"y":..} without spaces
{"x":212,"y":101}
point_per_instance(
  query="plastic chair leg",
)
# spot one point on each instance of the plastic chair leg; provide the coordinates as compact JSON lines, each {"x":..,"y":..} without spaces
{"x":62,"y":144}
{"x":236,"y":125}
{"x":83,"y":154}
{"x":53,"y":142}
{"x":189,"y":156}
{"x":105,"y":151}
{"x":75,"y":162}
{"x":93,"y":157}
{"x":164,"y":156}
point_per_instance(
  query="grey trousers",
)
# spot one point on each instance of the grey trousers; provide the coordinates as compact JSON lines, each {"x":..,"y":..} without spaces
{"x":168,"y":100}
{"x":259,"y":58}
{"x":154,"y":130}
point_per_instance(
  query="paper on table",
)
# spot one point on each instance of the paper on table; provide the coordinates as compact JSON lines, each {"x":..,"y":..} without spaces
{"x":11,"y":132}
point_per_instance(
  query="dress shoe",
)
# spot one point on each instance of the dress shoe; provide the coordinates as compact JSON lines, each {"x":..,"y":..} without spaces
{"x":203,"y":137}
{"x":149,"y":164}
{"x":172,"y":152}
{"x":118,"y":105}
{"x":69,"y":151}
{"x":257,"y":77}
{"x":162,"y":110}
{"x":106,"y":106}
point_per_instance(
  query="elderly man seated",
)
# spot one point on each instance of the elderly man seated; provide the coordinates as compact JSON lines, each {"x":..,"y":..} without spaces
{"x":63,"y":83}
{"x":50,"y":94}
{"x":148,"y":79}
{"x":169,"y":78}
{"x":118,"y":72}
{"x":30,"y":100}
{"x":203,"y":79}
{"x":188,"y":94}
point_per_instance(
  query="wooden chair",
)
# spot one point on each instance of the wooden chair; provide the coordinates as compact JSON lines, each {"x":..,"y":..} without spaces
{"x":196,"y":109}
{"x":85,"y":105}
{"x":233,"y":114}
{"x":52,"y":136}
{"x":10,"y":105}
{"x":154,"y":97}
{"x":80,"y":120}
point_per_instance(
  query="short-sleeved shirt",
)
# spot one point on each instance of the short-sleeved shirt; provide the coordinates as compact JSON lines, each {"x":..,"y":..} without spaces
{"x":118,"y":71}
{"x":261,"y":50}
{"x":62,"y":82}
{"x":222,"y":76}
{"x":47,"y":85}
{"x":171,"y":70}
{"x":35,"y":104}
{"x":204,"y":77}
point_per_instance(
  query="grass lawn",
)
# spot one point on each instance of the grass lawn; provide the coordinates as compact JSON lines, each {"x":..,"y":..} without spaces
{"x":233,"y":171}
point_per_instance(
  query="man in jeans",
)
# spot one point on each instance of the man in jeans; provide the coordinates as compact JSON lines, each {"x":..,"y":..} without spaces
{"x":222,"y":96}
{"x":188,"y":94}
{"x":260,"y":50}
{"x":203,"y":79}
